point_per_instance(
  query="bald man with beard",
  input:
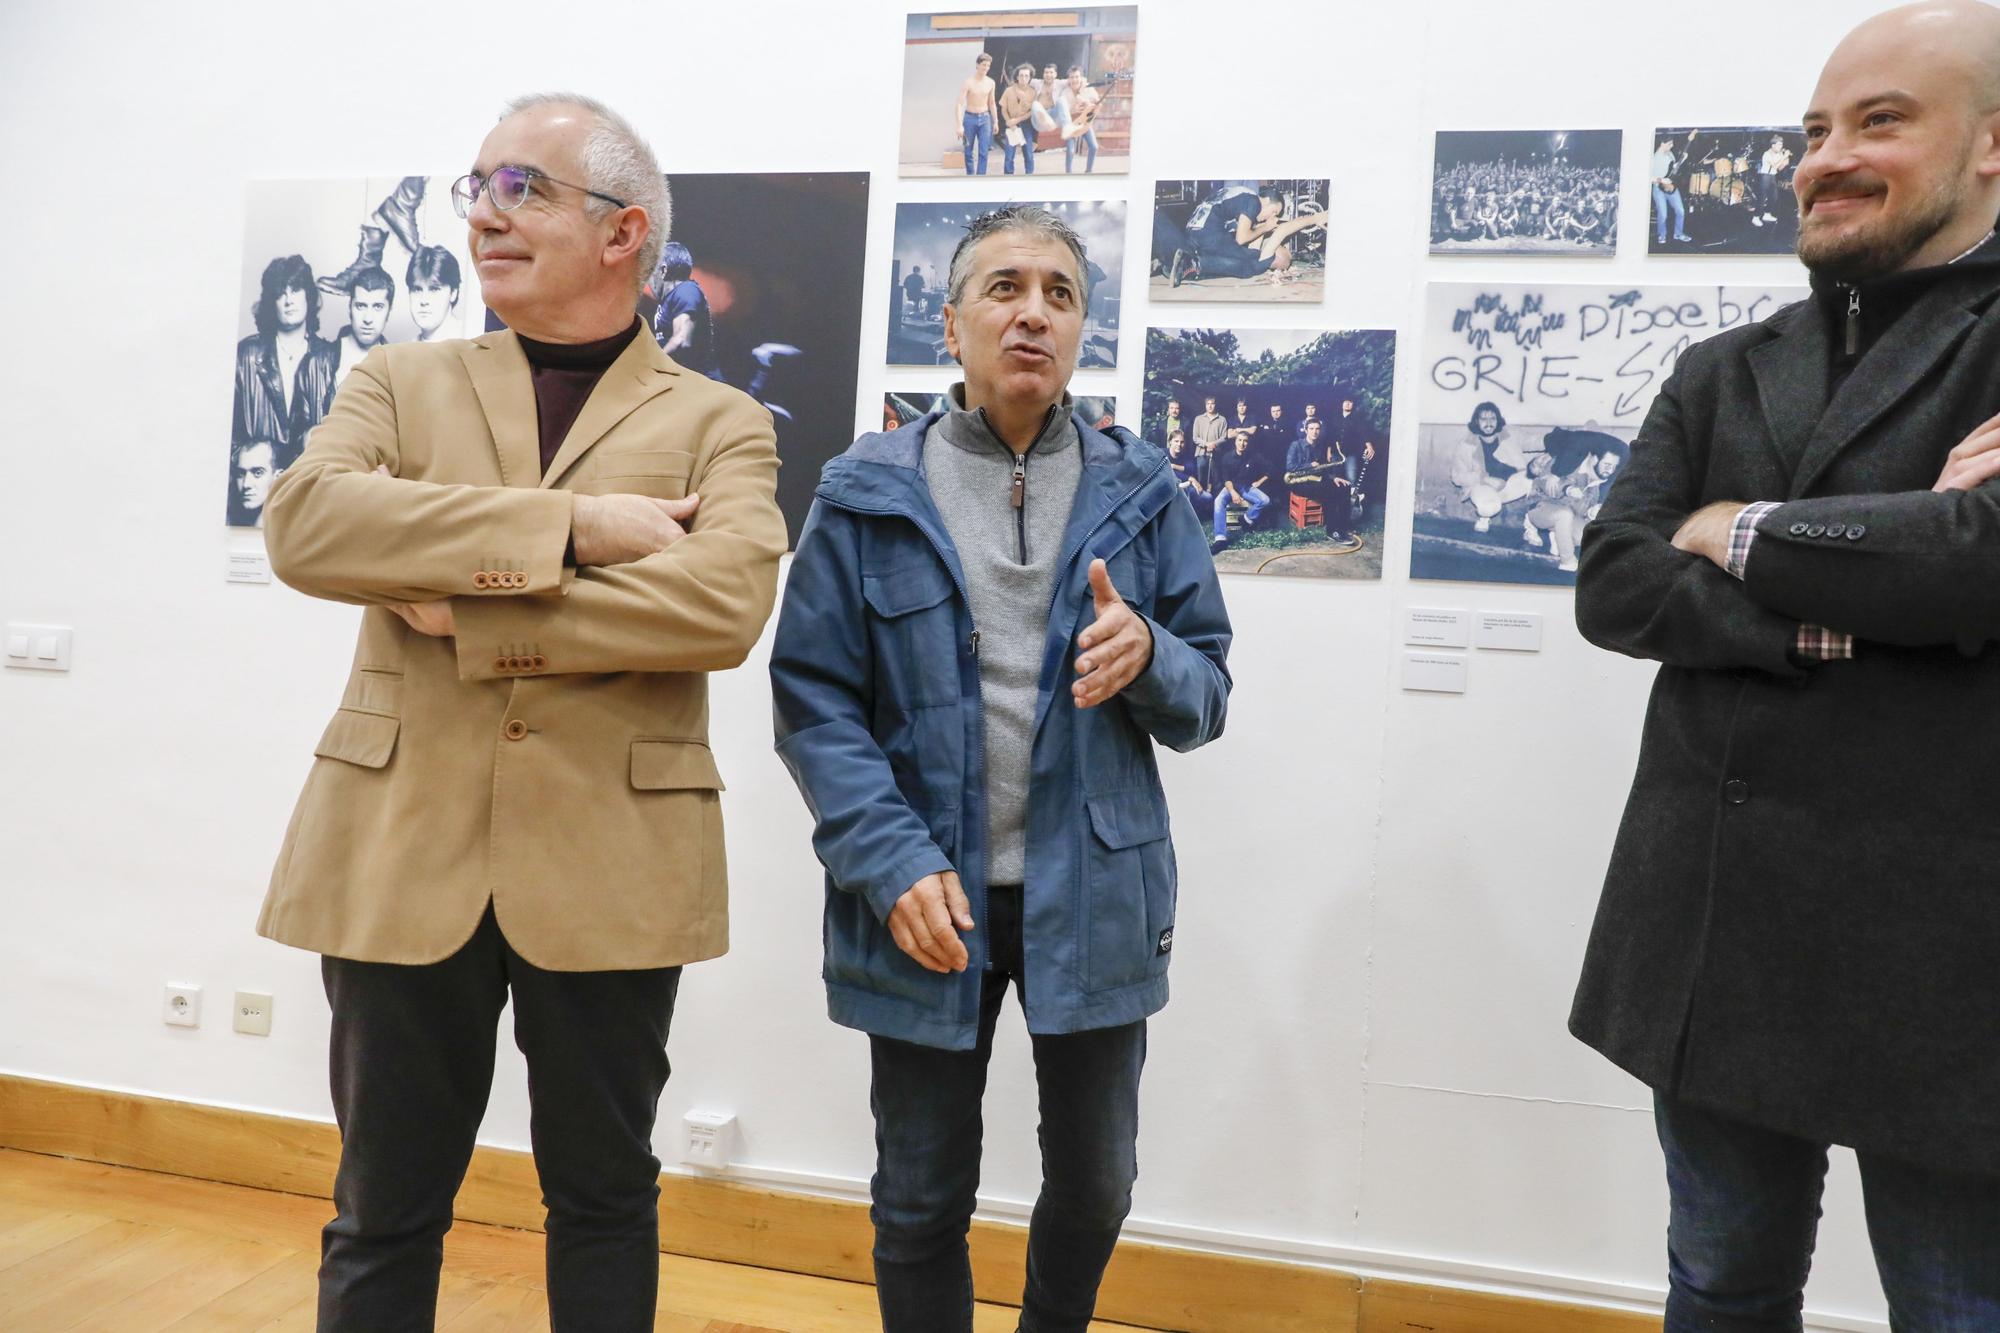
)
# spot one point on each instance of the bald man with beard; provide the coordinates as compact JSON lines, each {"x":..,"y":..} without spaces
{"x":1797,"y":940}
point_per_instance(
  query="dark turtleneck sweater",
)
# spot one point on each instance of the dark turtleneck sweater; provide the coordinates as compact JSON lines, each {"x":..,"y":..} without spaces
{"x":564,"y":374}
{"x":1858,"y":314}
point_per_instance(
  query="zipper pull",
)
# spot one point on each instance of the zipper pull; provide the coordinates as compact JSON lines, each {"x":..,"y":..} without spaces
{"x":1020,"y":496}
{"x":1853,"y":321}
{"x":975,"y":643}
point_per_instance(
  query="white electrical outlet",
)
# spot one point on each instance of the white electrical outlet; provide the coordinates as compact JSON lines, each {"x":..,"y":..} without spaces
{"x":183,"y":1006}
{"x":253,"y":1013}
{"x":708,"y":1139}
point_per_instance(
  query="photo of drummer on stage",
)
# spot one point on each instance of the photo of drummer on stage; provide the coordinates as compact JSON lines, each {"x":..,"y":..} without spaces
{"x":1724,"y":190}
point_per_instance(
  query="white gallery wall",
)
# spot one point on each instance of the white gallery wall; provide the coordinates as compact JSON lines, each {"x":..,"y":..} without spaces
{"x":1384,"y":895}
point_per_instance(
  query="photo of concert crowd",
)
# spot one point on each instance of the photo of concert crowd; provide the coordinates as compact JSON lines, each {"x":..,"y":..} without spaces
{"x":1526,"y":192}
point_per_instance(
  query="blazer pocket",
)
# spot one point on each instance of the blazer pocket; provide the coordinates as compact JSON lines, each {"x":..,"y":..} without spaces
{"x":662,"y":474}
{"x":674,"y":765}
{"x":356,"y":737}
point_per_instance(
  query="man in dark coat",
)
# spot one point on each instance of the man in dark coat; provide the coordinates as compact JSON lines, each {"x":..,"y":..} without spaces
{"x":1799,"y":938}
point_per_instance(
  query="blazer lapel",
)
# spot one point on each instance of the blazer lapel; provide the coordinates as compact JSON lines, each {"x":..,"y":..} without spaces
{"x":641,"y":372}
{"x":1791,"y":371}
{"x":1898,"y":363}
{"x":499,"y":372}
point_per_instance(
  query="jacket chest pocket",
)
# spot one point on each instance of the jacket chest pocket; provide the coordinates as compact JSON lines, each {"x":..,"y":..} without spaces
{"x":913,"y":634}
{"x":1134,"y":573}
{"x":662,"y":474}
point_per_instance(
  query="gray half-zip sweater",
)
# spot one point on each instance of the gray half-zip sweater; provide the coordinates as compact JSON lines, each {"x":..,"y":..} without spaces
{"x":1009,"y":555}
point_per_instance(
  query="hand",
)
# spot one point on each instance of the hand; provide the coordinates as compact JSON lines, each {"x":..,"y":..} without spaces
{"x":617,"y":529}
{"x":1706,"y":531}
{"x":1342,"y":481}
{"x":922,"y":920}
{"x":432,"y":618}
{"x":1116,"y":648}
{"x":1973,"y":460}
{"x":1367,"y":453}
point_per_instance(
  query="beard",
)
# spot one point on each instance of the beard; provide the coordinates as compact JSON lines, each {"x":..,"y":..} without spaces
{"x":1885,"y":244}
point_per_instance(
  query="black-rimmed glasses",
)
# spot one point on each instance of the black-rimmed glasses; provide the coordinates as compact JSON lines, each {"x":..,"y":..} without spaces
{"x":509,"y":187}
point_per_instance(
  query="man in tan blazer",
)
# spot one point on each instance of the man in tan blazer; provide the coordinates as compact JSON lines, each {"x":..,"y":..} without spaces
{"x":557,"y":532}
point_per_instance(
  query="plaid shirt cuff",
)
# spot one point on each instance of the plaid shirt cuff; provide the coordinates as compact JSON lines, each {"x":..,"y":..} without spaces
{"x":1743,"y":534}
{"x":1815,"y":644}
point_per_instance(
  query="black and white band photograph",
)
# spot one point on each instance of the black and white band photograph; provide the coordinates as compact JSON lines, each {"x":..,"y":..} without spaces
{"x":1525,"y":192}
{"x":1531,"y":397}
{"x":1239,"y":240}
{"x":331,"y":269}
{"x":920,"y":276}
{"x":1724,"y":191}
{"x":1019,"y":92}
{"x":1279,"y":441}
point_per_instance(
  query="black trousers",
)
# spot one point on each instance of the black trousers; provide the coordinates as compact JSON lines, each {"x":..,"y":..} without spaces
{"x":412,"y":1064}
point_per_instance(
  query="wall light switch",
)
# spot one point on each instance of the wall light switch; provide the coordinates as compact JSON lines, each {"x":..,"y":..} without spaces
{"x":38,"y":647}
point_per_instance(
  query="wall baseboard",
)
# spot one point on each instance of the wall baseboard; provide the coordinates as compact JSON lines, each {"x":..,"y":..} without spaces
{"x":1155,"y":1286}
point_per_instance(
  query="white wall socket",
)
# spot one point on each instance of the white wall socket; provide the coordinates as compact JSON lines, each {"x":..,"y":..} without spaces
{"x":183,"y":1006}
{"x":709,"y":1139}
{"x":253,"y":1013}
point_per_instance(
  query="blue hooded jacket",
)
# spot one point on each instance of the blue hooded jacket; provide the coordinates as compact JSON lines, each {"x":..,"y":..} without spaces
{"x":875,"y":685}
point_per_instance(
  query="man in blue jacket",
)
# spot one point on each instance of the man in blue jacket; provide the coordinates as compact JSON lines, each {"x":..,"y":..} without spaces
{"x":991,"y":616}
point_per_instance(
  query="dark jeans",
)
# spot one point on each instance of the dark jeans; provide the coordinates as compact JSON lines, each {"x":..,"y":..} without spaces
{"x":978,"y":138}
{"x":1746,"y":1211}
{"x":412,"y":1062}
{"x":927,"y":1138}
{"x":1027,"y":148}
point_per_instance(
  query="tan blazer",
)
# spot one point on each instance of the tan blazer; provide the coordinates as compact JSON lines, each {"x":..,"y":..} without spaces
{"x":553,"y":756}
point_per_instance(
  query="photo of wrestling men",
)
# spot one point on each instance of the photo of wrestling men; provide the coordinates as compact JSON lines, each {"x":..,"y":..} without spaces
{"x":899,"y":409}
{"x":1019,"y":92}
{"x":1279,"y":441}
{"x":1241,"y":240}
{"x":1724,"y":191}
{"x":1526,"y":192}
{"x":920,"y":274}
{"x":736,"y":297}
{"x":331,"y":270}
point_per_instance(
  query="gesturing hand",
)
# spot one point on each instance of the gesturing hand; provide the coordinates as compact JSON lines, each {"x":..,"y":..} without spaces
{"x":1117,"y":646}
{"x":922,"y":922}
{"x":616,"y":529}
{"x":1973,"y":460}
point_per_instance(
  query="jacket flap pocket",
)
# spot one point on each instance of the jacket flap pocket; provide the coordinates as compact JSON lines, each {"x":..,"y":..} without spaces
{"x":662,"y":765}
{"x":901,"y":591}
{"x":367,"y":739}
{"x":1128,"y":818}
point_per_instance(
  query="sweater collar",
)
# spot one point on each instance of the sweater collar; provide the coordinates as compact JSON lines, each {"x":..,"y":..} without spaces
{"x":972,"y":432}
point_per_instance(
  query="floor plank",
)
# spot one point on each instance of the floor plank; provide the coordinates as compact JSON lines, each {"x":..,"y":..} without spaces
{"x":104,"y":1249}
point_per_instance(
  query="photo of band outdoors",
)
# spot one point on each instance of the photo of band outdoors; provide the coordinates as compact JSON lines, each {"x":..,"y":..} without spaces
{"x":1279,"y":440}
{"x":1724,"y":191}
{"x":920,"y":271}
{"x":901,"y":408}
{"x":1022,"y":91}
{"x":1526,"y":192}
{"x":331,"y":269}
{"x":1240,"y":240}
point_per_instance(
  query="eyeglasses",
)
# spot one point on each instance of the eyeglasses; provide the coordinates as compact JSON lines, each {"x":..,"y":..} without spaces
{"x":509,"y":186}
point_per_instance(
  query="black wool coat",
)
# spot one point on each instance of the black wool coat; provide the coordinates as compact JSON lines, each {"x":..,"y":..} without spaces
{"x":1800,"y":925}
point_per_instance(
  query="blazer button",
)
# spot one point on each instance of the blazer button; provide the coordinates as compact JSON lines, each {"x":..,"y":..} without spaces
{"x":479,"y":580}
{"x":1798,"y":529}
{"x":1816,"y":530}
{"x":499,"y":664}
{"x":516,"y":729}
{"x":1836,"y":530}
{"x":1855,"y":531}
{"x":1735,"y":791}
{"x":538,"y":661}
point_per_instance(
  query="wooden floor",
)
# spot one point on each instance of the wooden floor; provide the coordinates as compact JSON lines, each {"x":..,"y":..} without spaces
{"x":112,"y":1250}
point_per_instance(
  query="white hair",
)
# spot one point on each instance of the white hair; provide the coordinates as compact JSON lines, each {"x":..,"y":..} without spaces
{"x":619,"y":162}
